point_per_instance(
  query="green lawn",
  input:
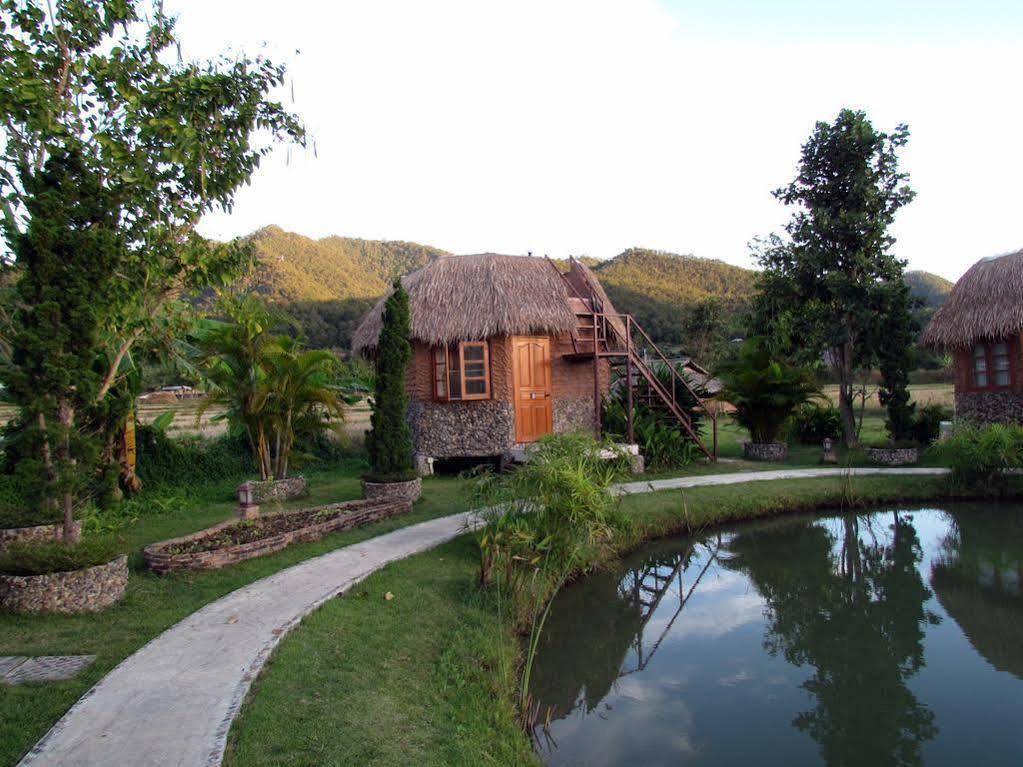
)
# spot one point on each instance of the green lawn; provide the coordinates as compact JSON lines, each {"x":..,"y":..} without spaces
{"x":427,"y":678}
{"x":154,"y":603}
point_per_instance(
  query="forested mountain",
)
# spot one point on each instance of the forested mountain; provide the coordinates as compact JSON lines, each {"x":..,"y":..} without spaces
{"x":929,"y":288}
{"x":694,"y":304}
{"x":327,"y":285}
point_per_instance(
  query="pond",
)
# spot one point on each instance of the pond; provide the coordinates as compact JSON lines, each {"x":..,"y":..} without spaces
{"x":889,"y":638}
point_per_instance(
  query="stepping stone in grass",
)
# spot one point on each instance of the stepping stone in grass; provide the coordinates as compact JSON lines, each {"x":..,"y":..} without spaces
{"x":45,"y":668}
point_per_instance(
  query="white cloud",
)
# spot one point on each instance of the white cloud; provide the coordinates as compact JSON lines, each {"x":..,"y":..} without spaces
{"x":586,"y":127}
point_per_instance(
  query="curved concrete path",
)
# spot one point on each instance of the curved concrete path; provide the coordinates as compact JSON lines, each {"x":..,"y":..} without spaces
{"x":173,"y":701}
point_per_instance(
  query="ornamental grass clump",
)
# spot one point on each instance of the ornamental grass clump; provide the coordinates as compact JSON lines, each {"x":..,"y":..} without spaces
{"x":550,"y":517}
{"x":980,"y":456}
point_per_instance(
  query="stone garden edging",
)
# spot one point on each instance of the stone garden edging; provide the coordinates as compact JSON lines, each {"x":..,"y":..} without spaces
{"x":77,"y":591}
{"x":892,"y":456}
{"x":277,"y":490}
{"x":765,"y":451}
{"x":53,"y":532}
{"x":173,"y":700}
{"x":409,"y":490}
{"x":160,"y":560}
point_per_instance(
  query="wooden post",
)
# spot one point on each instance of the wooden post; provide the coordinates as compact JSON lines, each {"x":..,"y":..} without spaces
{"x":596,"y":376}
{"x":714,"y":420}
{"x":628,"y":379}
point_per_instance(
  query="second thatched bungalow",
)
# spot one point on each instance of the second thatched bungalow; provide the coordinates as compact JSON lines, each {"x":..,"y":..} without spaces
{"x":981,"y":325}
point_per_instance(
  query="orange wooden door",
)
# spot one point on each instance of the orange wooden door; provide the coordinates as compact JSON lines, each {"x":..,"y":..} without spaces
{"x":531,"y":363}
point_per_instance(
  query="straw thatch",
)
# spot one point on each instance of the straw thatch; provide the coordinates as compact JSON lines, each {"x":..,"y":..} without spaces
{"x":987,"y":302}
{"x":464,"y":298}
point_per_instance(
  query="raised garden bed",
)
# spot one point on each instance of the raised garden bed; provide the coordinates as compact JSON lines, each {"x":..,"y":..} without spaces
{"x":78,"y":591}
{"x":892,"y":456}
{"x":409,"y":490}
{"x":54,"y":532}
{"x":765,"y":451}
{"x":236,"y":541}
{"x":278,"y":490}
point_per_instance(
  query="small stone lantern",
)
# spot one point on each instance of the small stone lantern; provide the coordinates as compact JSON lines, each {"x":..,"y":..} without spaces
{"x":247,"y":507}
{"x":829,"y":455}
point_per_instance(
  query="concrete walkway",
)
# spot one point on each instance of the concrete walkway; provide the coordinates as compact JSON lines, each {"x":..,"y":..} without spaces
{"x":173,"y":701}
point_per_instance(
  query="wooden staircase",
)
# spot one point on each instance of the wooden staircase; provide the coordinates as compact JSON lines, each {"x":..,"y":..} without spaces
{"x":635,"y":362}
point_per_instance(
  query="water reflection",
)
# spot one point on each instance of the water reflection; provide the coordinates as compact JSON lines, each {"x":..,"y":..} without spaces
{"x":802,"y":641}
{"x":853,"y":611}
{"x":977,"y":580}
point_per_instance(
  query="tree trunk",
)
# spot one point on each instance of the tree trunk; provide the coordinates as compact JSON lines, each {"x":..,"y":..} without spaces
{"x":66,"y":415}
{"x":844,"y":368}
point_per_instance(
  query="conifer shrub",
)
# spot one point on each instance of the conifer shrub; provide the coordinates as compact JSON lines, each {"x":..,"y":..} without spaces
{"x":389,"y":441}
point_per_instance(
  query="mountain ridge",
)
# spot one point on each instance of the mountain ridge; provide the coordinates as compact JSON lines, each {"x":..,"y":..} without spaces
{"x":327,"y":284}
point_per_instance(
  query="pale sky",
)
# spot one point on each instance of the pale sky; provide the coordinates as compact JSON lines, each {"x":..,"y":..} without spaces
{"x":587,"y":127}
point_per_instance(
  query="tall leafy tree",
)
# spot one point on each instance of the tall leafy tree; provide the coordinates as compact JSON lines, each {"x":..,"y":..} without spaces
{"x":171,"y":139}
{"x":162,"y":140}
{"x":389,"y":441}
{"x":827,"y":286}
{"x":71,"y":243}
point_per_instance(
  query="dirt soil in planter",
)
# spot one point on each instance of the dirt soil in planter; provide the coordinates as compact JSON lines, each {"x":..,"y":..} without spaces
{"x":249,"y":531}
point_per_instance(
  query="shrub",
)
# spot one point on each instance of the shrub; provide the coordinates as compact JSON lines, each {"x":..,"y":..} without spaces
{"x":979,"y":455}
{"x":163,"y":460}
{"x":15,"y":508}
{"x":765,"y":390}
{"x":389,"y":441}
{"x":927,"y":424}
{"x":661,"y":441}
{"x":40,"y":558}
{"x":813,"y":423}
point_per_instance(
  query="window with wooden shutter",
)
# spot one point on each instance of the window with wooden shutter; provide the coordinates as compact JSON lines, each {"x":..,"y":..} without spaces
{"x":461,"y":371}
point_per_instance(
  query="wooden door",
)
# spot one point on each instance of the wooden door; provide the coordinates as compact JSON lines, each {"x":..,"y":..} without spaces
{"x":531,"y":363}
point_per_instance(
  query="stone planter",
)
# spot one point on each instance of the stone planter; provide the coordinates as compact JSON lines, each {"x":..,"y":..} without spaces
{"x":892,"y":456}
{"x":398,"y":491}
{"x":166,"y":556}
{"x":278,"y":490}
{"x":53,"y":532}
{"x":78,"y":591}
{"x":765,"y":451}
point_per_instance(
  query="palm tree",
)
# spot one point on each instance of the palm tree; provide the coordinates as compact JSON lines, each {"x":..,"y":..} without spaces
{"x":232,"y":359}
{"x":303,"y":400}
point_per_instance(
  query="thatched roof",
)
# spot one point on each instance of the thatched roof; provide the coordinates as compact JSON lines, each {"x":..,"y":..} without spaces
{"x":463,"y":298}
{"x":987,"y":302}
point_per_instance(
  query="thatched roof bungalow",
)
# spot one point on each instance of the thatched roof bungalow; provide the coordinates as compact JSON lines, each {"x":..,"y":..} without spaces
{"x":496,"y":354}
{"x":981,"y":325}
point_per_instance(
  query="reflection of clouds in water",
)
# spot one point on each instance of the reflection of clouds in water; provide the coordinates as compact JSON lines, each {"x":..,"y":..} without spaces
{"x":737,"y":678}
{"x":726,"y":613}
{"x":635,"y":705}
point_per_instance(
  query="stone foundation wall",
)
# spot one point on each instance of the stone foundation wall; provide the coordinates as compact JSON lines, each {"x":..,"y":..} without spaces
{"x":79,"y":591}
{"x":461,"y":429}
{"x":990,"y":406}
{"x":573,"y":414}
{"x":34,"y":534}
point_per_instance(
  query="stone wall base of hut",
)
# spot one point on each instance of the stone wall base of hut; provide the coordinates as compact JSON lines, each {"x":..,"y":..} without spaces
{"x":990,"y":406}
{"x":573,"y":414}
{"x":461,"y":429}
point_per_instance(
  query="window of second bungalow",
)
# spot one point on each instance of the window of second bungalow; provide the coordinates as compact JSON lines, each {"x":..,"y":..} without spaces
{"x":992,"y":365}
